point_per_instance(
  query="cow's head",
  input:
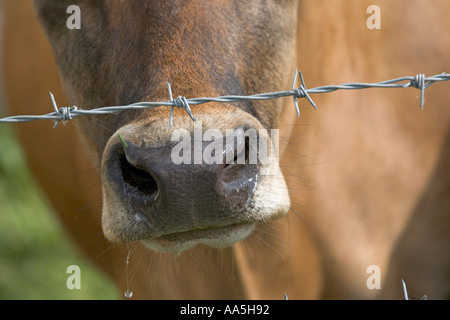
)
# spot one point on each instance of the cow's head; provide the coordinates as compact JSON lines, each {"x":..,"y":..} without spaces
{"x":125,"y":52}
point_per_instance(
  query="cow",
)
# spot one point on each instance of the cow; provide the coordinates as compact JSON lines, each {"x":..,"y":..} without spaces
{"x":357,"y":200}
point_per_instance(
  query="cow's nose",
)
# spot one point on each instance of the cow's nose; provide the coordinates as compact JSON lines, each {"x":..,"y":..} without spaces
{"x":196,"y":185}
{"x":209,"y":182}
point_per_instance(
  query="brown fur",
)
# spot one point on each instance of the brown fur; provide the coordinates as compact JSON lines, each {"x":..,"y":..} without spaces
{"x":366,"y":173}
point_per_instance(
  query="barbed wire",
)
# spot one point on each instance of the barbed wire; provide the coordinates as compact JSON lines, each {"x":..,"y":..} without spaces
{"x":68,"y":113}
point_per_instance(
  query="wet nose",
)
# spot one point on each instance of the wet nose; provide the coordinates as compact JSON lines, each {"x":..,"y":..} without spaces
{"x":197,"y":182}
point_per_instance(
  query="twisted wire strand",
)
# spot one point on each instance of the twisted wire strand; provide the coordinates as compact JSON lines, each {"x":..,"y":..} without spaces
{"x":419,"y":82}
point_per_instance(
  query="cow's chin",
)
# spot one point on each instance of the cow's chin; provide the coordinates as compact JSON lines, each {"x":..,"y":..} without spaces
{"x":220,"y":237}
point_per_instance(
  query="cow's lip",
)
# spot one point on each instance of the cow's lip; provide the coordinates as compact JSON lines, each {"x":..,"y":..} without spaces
{"x":217,"y":237}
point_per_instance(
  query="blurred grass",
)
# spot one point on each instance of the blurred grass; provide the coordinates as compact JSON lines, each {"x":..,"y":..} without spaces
{"x":34,"y":250}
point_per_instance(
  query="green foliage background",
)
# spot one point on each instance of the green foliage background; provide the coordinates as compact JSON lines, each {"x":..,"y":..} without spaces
{"x":34,"y":250}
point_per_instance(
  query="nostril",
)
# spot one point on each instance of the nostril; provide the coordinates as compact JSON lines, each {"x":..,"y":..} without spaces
{"x":241,"y":155}
{"x":241,"y":168}
{"x":140,"y":179}
{"x":239,"y":178}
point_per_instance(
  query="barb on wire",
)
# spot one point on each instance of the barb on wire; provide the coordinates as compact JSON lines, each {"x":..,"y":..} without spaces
{"x":64,"y":112}
{"x":67,"y":113}
{"x":301,"y":92}
{"x":405,"y":292}
{"x":180,"y":102}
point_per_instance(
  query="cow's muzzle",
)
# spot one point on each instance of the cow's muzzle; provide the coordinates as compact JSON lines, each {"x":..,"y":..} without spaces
{"x":194,"y":183}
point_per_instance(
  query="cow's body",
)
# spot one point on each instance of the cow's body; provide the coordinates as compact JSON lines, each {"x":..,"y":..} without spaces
{"x":367,"y":173}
